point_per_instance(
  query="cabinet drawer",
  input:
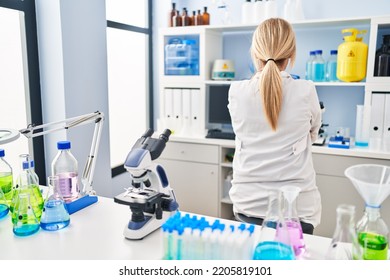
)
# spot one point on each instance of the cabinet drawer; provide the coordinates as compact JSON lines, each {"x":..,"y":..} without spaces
{"x":335,"y":165}
{"x":191,"y":152}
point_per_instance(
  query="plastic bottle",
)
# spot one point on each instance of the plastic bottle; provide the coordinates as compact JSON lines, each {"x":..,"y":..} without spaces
{"x":318,"y":67}
{"x":65,"y":166}
{"x":344,"y":244}
{"x":259,"y":12}
{"x":331,"y":67}
{"x":309,"y":66}
{"x":289,"y":10}
{"x":206,"y":16}
{"x":352,"y":57}
{"x":271,"y":9}
{"x":299,"y":14}
{"x":247,"y":12}
{"x":382,"y":58}
{"x":6,"y":177}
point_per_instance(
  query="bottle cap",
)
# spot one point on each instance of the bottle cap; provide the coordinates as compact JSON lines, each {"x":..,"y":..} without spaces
{"x":25,"y":165}
{"x":333,"y":52}
{"x":2,"y":153}
{"x":63,"y":145}
{"x":318,"y":51}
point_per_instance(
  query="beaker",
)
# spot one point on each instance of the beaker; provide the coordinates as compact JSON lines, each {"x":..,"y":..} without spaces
{"x":290,"y":215}
{"x":274,"y":241}
{"x":344,"y":244}
{"x":55,"y":216}
{"x":24,"y":221}
{"x":372,"y":181}
{"x":4,"y":208}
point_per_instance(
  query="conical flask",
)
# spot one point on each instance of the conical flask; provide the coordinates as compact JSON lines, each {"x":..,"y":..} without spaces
{"x":372,"y":181}
{"x":344,"y":244}
{"x":274,"y":241}
{"x":26,"y":183}
{"x":24,"y":221}
{"x":55,"y":216}
{"x":4,"y":208}
{"x":290,"y":214}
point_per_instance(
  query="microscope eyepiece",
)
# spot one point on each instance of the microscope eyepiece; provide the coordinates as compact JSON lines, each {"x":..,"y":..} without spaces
{"x":165,"y":135}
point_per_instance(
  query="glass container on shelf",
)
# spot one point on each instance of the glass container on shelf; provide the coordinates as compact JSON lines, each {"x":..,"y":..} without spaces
{"x":372,"y":182}
{"x":382,"y":58}
{"x":181,"y":55}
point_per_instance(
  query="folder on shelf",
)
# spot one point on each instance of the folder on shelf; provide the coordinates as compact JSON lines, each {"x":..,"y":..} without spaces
{"x":195,"y":111}
{"x":168,"y":108}
{"x":377,"y":118}
{"x":186,"y":111}
{"x":386,"y":124}
{"x":177,"y":110}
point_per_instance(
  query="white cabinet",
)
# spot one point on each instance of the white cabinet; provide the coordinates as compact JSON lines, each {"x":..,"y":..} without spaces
{"x":193,"y":174}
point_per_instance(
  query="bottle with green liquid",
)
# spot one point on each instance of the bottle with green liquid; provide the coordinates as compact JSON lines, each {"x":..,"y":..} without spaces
{"x":27,"y":183}
{"x":373,"y":235}
{"x":6,"y":178}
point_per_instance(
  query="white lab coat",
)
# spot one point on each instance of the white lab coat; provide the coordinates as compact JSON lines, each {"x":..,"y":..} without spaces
{"x":266,"y":159}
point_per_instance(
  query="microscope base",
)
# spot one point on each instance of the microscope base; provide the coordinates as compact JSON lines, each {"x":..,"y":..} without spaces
{"x":151,"y":225}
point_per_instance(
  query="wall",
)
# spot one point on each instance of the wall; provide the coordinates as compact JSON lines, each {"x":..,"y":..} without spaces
{"x":313,"y":9}
{"x":73,"y":69}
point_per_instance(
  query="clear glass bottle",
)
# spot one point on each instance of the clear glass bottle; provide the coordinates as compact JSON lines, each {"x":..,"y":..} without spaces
{"x":24,"y":220}
{"x":55,"y":216}
{"x":373,"y":235}
{"x":318,"y":67}
{"x":6,"y":177}
{"x":344,"y":244}
{"x":274,"y":240}
{"x":309,"y":66}
{"x":290,"y":214}
{"x":65,"y":166}
{"x":331,"y":67}
{"x":26,"y":183}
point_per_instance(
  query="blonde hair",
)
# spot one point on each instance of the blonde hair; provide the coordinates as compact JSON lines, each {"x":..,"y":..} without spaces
{"x":273,"y":43}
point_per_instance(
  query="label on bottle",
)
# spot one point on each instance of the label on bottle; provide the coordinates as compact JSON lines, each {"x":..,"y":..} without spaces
{"x":375,"y":246}
{"x":68,"y":184}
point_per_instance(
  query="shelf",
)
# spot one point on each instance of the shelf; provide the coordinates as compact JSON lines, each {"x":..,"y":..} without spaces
{"x":323,"y":23}
{"x":220,"y":82}
{"x":340,"y":84}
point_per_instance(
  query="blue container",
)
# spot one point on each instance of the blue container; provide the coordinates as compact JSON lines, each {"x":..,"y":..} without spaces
{"x":331,"y":67}
{"x":182,"y":56}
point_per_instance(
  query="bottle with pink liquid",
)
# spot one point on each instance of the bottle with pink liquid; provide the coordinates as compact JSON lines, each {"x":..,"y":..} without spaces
{"x":290,"y":214}
{"x":65,"y":166}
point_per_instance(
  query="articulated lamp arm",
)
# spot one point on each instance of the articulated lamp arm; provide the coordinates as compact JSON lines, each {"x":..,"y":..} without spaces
{"x":97,"y":117}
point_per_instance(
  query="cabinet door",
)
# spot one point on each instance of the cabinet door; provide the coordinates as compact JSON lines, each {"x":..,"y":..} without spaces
{"x":195,"y":185}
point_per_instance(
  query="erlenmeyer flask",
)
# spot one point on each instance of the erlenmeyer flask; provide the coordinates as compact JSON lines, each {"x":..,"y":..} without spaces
{"x":344,"y":244}
{"x":26,"y":183}
{"x":4,"y":209}
{"x":274,"y":242}
{"x":290,"y":214}
{"x":54,"y":215}
{"x":23,"y":218}
{"x":372,"y":181}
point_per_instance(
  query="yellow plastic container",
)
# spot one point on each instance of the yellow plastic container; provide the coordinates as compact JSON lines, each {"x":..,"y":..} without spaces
{"x":352,"y":57}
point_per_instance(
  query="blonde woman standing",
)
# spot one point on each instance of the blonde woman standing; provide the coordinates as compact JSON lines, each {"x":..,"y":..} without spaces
{"x":275,"y":119}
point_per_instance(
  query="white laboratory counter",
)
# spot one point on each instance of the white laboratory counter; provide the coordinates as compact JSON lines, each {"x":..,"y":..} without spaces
{"x":96,"y":233}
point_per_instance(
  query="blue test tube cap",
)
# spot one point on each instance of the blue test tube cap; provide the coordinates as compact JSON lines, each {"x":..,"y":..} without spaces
{"x":2,"y":153}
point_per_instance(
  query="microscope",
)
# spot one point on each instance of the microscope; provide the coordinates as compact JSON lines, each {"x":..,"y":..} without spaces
{"x":151,"y":199}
